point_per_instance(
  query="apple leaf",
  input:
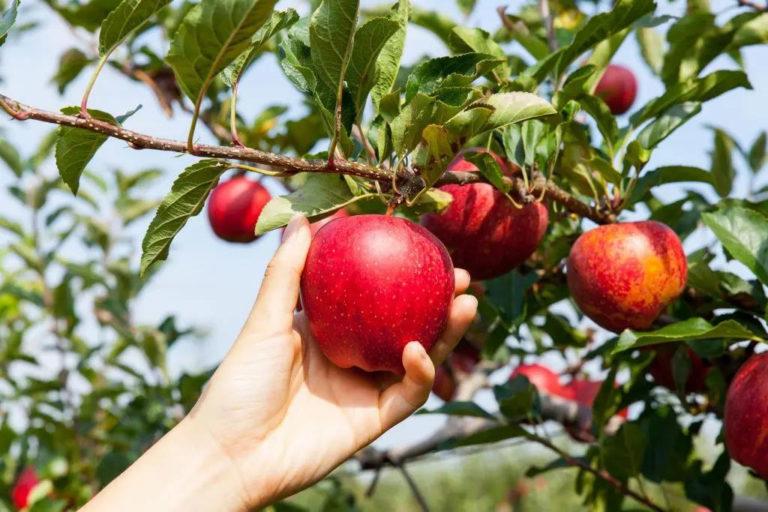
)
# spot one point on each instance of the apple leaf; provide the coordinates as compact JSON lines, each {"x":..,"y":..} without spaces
{"x":459,"y":409}
{"x":723,"y":172}
{"x":754,"y":31}
{"x":370,"y":40}
{"x":622,"y":453}
{"x":651,"y":47}
{"x":514,"y":107}
{"x":439,"y":24}
{"x":7,"y":20}
{"x":331,"y":39}
{"x":663,"y":126}
{"x":757,"y":152}
{"x":211,"y":36}
{"x":185,"y":200}
{"x":668,"y":174}
{"x":687,"y":330}
{"x":388,"y":62}
{"x":71,"y":64}
{"x":744,"y":233}
{"x":454,"y":71}
{"x":10,"y":155}
{"x":319,"y":196}
{"x":493,"y":434}
{"x":124,"y":19}
{"x":76,"y":147}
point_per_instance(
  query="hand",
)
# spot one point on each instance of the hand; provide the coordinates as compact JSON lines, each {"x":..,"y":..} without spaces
{"x":277,"y":415}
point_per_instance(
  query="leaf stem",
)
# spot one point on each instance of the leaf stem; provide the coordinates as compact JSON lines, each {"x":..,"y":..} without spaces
{"x":91,"y":83}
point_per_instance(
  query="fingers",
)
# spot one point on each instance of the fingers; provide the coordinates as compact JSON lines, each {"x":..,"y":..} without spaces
{"x":461,"y":278}
{"x":401,"y":399}
{"x":460,"y":317}
{"x":279,"y":291}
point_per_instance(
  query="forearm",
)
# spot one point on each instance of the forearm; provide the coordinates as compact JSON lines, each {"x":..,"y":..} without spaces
{"x":184,"y":471}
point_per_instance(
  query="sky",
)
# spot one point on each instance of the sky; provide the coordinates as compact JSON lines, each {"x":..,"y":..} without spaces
{"x":211,"y":284}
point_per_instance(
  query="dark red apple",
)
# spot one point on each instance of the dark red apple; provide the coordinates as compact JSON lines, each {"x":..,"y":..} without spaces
{"x":445,"y":383}
{"x":235,"y":206}
{"x":483,"y":231}
{"x":543,"y":379}
{"x":624,"y":275}
{"x":618,"y":88}
{"x":372,"y":284}
{"x":315,"y":226}
{"x":27,"y":481}
{"x":661,"y":369}
{"x":585,"y":391}
{"x":746,"y":415}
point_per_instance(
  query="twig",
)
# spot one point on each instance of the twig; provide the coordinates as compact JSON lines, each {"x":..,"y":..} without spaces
{"x":546,"y":16}
{"x":753,"y":5}
{"x":414,"y":489}
{"x":291,"y":165}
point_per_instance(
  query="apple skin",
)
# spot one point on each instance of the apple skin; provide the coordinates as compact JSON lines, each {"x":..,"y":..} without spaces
{"x":484,"y":232}
{"x":315,"y":226}
{"x":661,"y":369}
{"x":235,"y":206}
{"x":746,"y":415}
{"x":543,"y":379}
{"x":624,"y":275}
{"x":444,"y":385}
{"x":618,"y":88}
{"x":372,"y":284}
{"x":27,"y":481}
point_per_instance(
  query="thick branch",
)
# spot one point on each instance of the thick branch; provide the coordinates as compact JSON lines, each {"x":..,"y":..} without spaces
{"x":292,"y":165}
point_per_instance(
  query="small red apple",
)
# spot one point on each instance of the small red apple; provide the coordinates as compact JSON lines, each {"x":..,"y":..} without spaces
{"x":624,"y":275}
{"x":584,"y":392}
{"x":543,"y":379}
{"x":444,"y":385}
{"x":372,"y":284}
{"x":483,"y":231}
{"x":661,"y":369}
{"x":235,"y":206}
{"x":746,"y":415}
{"x":618,"y":88}
{"x":315,"y":226}
{"x":27,"y":481}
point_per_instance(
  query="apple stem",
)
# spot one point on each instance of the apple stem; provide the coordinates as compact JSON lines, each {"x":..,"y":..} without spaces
{"x":390,"y":209}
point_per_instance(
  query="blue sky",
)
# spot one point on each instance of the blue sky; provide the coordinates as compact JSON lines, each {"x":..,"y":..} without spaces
{"x":212,"y":284}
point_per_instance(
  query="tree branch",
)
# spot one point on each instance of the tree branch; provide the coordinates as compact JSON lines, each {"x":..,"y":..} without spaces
{"x":753,"y":5}
{"x":291,"y":165}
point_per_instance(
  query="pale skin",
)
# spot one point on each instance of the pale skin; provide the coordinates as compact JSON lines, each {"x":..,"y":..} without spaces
{"x":277,"y":415}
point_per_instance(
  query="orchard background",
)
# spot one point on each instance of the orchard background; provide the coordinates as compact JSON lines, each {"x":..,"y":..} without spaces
{"x":97,"y":361}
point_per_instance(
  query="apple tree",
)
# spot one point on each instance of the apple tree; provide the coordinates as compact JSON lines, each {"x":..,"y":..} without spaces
{"x":611,"y":310}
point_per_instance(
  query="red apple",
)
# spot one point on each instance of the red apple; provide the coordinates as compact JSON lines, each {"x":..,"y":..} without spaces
{"x":543,"y":379}
{"x":315,"y":226}
{"x":618,"y":88}
{"x":624,"y":275}
{"x":27,"y":481}
{"x":661,"y":369}
{"x":235,"y":206}
{"x":585,"y":391}
{"x":483,"y":231}
{"x":445,"y":383}
{"x":372,"y":284}
{"x":746,"y":415}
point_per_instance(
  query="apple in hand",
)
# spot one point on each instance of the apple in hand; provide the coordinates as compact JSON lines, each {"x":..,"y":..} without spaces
{"x":27,"y":481}
{"x":618,"y":88}
{"x":746,"y":415}
{"x":372,"y":284}
{"x":542,"y":378}
{"x":484,"y":232}
{"x":234,"y":208}
{"x":624,"y":275}
{"x":661,"y":369}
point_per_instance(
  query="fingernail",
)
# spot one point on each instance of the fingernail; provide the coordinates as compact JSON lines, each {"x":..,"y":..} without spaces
{"x":292,"y":227}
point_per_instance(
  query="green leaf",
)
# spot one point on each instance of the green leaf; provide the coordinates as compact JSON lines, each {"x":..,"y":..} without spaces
{"x":687,"y":330}
{"x":127,"y":17}
{"x":459,"y":409}
{"x":465,"y":40}
{"x":723,"y":172}
{"x":331,"y":38}
{"x":651,"y":47}
{"x":622,"y":454}
{"x":466,"y":6}
{"x":606,"y":121}
{"x":279,"y":20}
{"x":370,"y":40}
{"x":418,"y":114}
{"x":699,"y":89}
{"x":7,"y":20}
{"x":186,"y":199}
{"x":754,"y":31}
{"x":11,"y":157}
{"x":668,"y":174}
{"x":439,"y":24}
{"x":516,"y":398}
{"x":489,"y":168}
{"x":454,"y":71}
{"x":319,"y":196}
{"x":744,"y":234}
{"x":388,"y":63}
{"x":76,"y":147}
{"x":663,"y":126}
{"x":514,"y":107}
{"x":295,"y":60}
{"x":623,"y":14}
{"x":756,"y":155}
{"x":71,"y":64}
{"x":211,"y":36}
